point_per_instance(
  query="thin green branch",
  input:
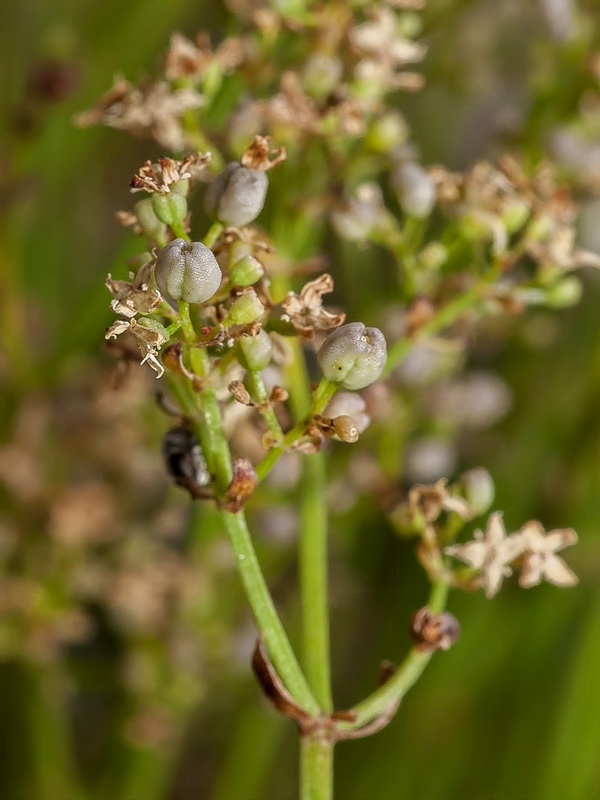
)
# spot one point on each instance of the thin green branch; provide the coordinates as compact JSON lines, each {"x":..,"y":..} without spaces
{"x":259,"y":394}
{"x":407,"y":674}
{"x":323,"y":394}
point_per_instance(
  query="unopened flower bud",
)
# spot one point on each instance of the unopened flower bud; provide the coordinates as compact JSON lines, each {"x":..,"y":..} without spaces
{"x":237,"y":195}
{"x":169,"y":208}
{"x":150,"y":224}
{"x":246,"y":271}
{"x":353,"y":355}
{"x":351,"y":404}
{"x":414,"y":189}
{"x":246,"y":308}
{"x":477,"y":488}
{"x":566,"y":293}
{"x":187,"y":271}
{"x":346,"y":428}
{"x":433,"y":255}
{"x":254,"y":352}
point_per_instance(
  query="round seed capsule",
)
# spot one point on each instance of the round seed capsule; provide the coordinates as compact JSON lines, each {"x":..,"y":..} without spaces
{"x":237,"y":195}
{"x":353,"y":355}
{"x":187,"y":271}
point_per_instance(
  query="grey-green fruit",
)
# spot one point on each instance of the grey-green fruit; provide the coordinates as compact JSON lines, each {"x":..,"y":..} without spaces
{"x":237,"y":195}
{"x":353,"y":356}
{"x":187,"y":271}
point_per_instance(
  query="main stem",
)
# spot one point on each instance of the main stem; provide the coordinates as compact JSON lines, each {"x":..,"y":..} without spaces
{"x":215,"y":445}
{"x":316,"y":768}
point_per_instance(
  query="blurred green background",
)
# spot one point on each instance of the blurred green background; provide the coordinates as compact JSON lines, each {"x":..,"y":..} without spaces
{"x":512,"y":712}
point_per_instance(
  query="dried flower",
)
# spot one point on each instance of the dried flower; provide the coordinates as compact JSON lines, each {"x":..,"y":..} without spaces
{"x":152,"y":111}
{"x":490,"y":553}
{"x":135,"y":295}
{"x":305,"y":311}
{"x":540,"y":562}
{"x":353,"y":356}
{"x":151,"y":336}
{"x":162,"y":175}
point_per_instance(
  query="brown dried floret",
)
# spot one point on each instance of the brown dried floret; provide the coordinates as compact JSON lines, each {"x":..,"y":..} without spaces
{"x":305,"y":311}
{"x":160,"y":176}
{"x":432,"y":631}
{"x":152,"y":111}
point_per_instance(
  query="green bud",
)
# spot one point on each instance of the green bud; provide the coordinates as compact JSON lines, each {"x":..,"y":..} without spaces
{"x":565,"y":293}
{"x":387,"y":132}
{"x":433,"y":255}
{"x":187,"y":271}
{"x":237,"y":195}
{"x":477,"y":488}
{"x":414,"y":189}
{"x":515,"y":215}
{"x":246,"y":308}
{"x":353,"y":356}
{"x":169,"y":208}
{"x":254,"y":352}
{"x":151,"y":226}
{"x":246,"y":271}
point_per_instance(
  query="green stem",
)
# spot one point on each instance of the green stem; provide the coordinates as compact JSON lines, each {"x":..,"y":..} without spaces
{"x":259,"y":393}
{"x":262,"y":605}
{"x":323,"y":394}
{"x":213,"y":234}
{"x":444,"y":317}
{"x":316,"y":768}
{"x":313,"y":578}
{"x":407,"y":674}
{"x":215,"y":446}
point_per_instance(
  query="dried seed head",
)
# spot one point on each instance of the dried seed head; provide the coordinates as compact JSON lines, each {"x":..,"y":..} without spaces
{"x":187,"y":271}
{"x":434,"y":631}
{"x":353,"y":355}
{"x":237,"y":195}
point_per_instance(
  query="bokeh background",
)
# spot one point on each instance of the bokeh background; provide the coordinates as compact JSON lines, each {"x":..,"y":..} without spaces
{"x":123,"y":636}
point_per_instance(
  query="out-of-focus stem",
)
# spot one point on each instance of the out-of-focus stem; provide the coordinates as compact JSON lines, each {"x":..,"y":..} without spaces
{"x":441,"y":319}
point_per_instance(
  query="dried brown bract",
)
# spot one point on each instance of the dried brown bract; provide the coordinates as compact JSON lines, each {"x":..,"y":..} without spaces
{"x":242,"y":486}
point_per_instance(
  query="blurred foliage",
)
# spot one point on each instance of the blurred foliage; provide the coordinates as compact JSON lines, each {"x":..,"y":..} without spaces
{"x":512,"y":711}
